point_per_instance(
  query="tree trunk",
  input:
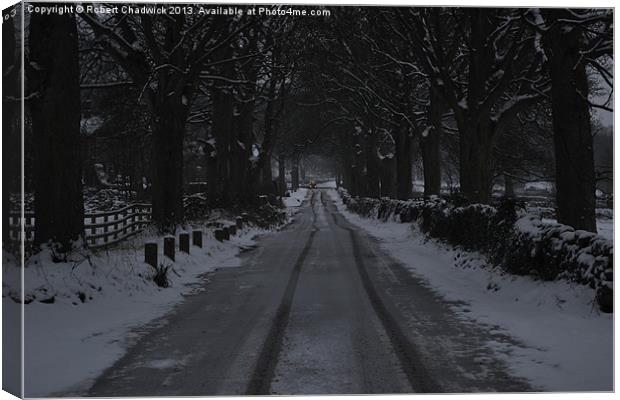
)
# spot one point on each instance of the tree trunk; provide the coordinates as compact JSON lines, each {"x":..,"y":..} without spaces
{"x":475,"y":162}
{"x":302,"y":171}
{"x":270,"y":130}
{"x":572,"y":136}
{"x":243,"y":183}
{"x":213,"y":194}
{"x":295,"y":174}
{"x":476,"y":129}
{"x":388,"y":177}
{"x":266,"y":174}
{"x":403,"y":163}
{"x":431,"y":158}
{"x":167,"y":188}
{"x":356,"y":166}
{"x":509,"y":186}
{"x":347,"y":178}
{"x":54,"y":77}
{"x":354,"y":190}
{"x":281,"y":175}
{"x":373,"y":185}
{"x":225,"y":138}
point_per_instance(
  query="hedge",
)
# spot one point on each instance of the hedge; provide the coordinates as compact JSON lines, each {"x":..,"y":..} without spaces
{"x":520,"y":242}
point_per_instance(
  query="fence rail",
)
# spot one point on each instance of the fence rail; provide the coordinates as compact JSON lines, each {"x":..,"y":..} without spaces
{"x":100,"y":229}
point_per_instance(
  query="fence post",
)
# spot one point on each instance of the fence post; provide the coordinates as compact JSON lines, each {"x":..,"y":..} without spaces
{"x":150,"y":254}
{"x":184,"y":242}
{"x":197,"y":238}
{"x":169,"y":247}
{"x":105,"y":228}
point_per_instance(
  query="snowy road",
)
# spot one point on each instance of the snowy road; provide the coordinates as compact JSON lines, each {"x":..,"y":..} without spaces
{"x":316,"y":308}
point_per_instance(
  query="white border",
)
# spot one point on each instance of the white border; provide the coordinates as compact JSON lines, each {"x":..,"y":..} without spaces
{"x":484,"y":3}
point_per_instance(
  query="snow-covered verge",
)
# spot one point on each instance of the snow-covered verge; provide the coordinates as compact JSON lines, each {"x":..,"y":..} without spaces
{"x":295,"y":198}
{"x":565,"y":343}
{"x":83,"y":314}
{"x":520,"y":242}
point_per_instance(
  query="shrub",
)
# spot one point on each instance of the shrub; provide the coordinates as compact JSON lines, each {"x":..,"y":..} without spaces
{"x":161,"y":276}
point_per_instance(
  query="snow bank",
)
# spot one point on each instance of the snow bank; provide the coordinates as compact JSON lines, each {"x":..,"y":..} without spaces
{"x":562,"y":342}
{"x":331,"y":184}
{"x":519,"y":242}
{"x":88,"y":309}
{"x":296,"y":198}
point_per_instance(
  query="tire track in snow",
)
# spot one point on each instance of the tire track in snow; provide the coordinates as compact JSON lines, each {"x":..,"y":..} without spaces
{"x":260,"y":382}
{"x":406,"y":351}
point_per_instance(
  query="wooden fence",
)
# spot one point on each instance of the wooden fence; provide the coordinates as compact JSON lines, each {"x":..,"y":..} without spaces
{"x":100,"y":229}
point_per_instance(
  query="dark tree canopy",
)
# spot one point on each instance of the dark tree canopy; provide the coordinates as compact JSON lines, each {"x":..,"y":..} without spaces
{"x":399,"y":102}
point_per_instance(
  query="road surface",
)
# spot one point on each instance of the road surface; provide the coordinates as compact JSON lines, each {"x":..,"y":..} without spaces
{"x":316,"y":308}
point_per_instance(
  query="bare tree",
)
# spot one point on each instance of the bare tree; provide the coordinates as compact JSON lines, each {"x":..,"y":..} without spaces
{"x":574,"y":39}
{"x":486,"y":71}
{"x":164,"y":56}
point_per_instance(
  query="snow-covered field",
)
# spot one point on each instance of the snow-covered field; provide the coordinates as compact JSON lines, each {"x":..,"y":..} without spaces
{"x":567,"y":343}
{"x":103,"y":303}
